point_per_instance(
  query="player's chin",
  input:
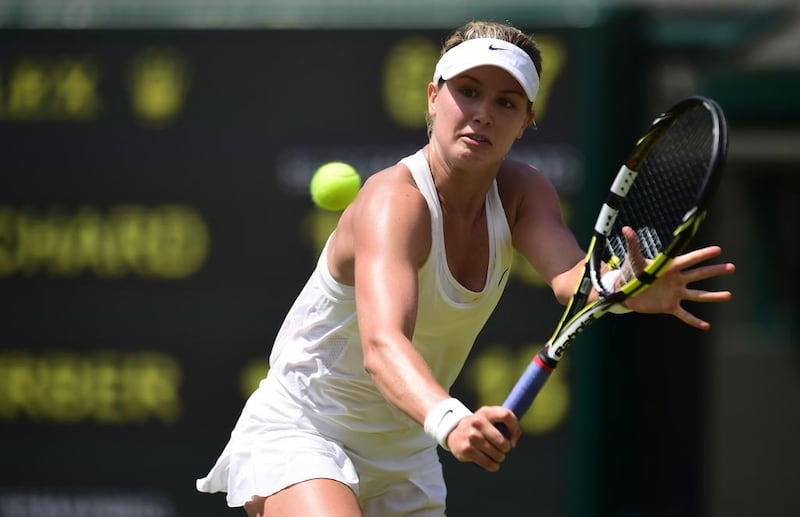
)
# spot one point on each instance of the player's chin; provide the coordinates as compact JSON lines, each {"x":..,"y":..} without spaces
{"x":483,"y":154}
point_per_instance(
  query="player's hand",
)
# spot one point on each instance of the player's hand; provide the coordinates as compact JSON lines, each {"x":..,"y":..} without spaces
{"x":668,"y":291}
{"x":477,"y":439}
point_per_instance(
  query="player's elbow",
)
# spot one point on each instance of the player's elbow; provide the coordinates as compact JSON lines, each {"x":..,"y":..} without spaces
{"x":561,"y":291}
{"x":563,"y":284}
{"x":562,"y":297}
{"x":373,"y":349}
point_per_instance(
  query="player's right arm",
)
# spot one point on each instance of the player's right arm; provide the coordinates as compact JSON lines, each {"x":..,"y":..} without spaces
{"x":389,"y":227}
{"x":389,"y":231}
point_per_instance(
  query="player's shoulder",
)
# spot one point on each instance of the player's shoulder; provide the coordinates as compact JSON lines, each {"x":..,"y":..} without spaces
{"x":393,"y":182}
{"x":516,"y":177}
{"x":517,"y":171}
{"x":394,"y":189}
{"x":390,"y":209}
{"x":397,"y":175}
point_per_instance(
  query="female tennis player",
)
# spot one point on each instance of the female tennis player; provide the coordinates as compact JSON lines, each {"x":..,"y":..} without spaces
{"x":356,"y":401}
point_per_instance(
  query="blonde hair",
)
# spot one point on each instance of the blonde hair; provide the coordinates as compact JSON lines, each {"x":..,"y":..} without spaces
{"x":496,"y":30}
{"x":488,"y":29}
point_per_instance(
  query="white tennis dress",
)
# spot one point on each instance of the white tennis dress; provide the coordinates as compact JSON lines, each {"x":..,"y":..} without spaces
{"x":318,"y":414}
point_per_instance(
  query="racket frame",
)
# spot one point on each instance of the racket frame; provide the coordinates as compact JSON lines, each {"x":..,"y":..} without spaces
{"x":579,"y":314}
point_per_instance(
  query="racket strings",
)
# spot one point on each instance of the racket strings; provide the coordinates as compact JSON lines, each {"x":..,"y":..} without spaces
{"x":671,"y":178}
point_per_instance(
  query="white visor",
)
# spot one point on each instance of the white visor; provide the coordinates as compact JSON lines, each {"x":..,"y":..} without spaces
{"x":489,"y":51}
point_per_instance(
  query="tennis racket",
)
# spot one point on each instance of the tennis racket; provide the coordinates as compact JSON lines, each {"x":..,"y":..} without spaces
{"x":662,"y":193}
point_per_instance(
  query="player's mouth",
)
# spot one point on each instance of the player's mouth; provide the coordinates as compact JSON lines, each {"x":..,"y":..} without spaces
{"x":477,"y":139}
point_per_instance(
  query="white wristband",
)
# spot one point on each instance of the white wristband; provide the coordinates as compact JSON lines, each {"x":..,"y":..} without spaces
{"x":443,"y":418}
{"x":609,"y":280}
{"x":609,"y":283}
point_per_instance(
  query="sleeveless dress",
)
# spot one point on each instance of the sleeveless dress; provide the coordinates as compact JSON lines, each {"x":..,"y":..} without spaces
{"x":317,"y":414}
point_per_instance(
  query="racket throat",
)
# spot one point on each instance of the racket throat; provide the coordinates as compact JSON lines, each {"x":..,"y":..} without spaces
{"x":555,"y":348}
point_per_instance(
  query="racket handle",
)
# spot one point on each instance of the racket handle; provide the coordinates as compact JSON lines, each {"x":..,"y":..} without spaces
{"x":528,"y":386}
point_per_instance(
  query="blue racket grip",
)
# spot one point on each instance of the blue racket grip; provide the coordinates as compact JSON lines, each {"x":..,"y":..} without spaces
{"x":528,"y":386}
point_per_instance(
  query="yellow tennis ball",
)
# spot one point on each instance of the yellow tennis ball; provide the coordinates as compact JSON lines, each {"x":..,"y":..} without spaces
{"x":335,"y":185}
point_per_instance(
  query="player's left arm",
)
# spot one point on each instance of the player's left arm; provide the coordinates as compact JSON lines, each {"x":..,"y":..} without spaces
{"x":538,"y":229}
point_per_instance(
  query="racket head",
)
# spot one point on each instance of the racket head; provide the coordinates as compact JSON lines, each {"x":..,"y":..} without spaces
{"x":663,"y":193}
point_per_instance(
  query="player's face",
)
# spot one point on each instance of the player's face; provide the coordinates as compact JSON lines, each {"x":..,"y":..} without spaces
{"x":479,"y":113}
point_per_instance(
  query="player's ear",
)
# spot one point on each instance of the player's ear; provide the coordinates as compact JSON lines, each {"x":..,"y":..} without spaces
{"x":529,"y":122}
{"x":433,"y":94}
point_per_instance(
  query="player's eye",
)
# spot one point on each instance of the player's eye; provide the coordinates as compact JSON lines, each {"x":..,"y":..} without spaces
{"x":506,"y":103}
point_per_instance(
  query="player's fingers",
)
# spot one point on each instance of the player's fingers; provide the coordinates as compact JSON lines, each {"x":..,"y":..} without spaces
{"x":506,"y":438}
{"x":690,"y":319}
{"x":486,"y":462}
{"x":697,"y":256}
{"x":635,"y":255}
{"x":706,"y":272}
{"x":495,"y":454}
{"x":482,"y":452}
{"x":491,"y":442}
{"x":697,"y":295}
{"x":479,"y":440}
{"x":494,"y":448}
{"x":514,"y":429}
